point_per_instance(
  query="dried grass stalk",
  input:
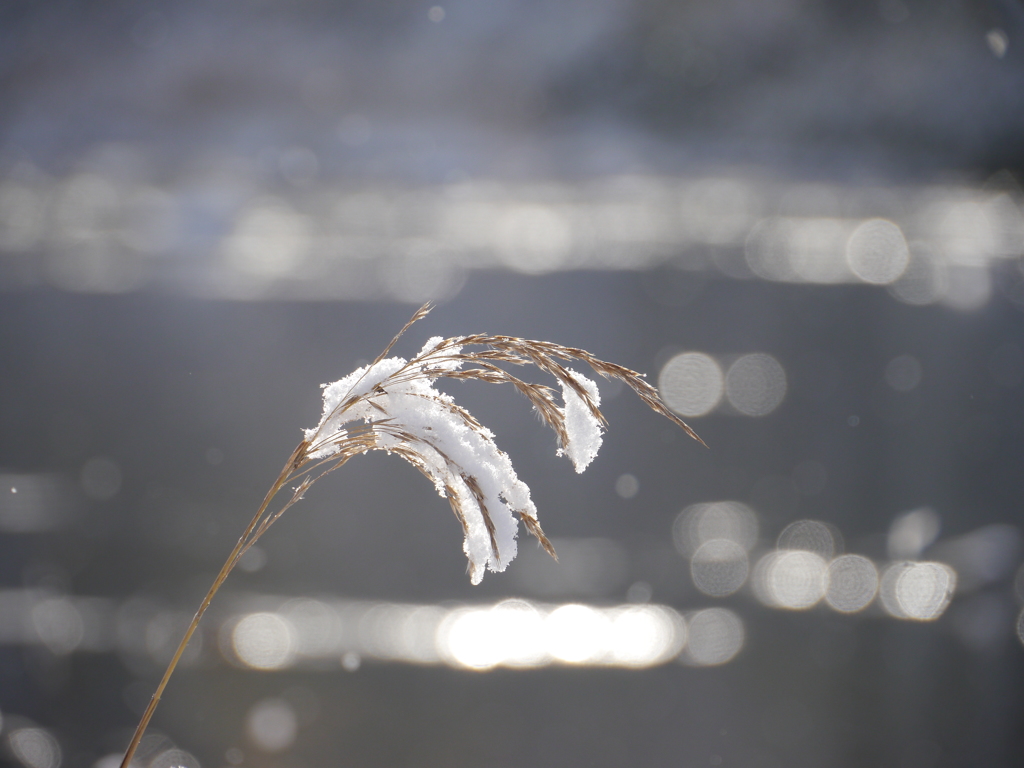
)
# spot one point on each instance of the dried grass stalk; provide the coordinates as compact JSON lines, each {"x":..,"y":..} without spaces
{"x":392,"y":405}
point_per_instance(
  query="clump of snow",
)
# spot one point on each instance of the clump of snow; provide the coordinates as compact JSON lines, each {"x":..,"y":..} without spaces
{"x":422,"y":424}
{"x":581,"y":426}
{"x":439,"y":359}
{"x":326,"y":435}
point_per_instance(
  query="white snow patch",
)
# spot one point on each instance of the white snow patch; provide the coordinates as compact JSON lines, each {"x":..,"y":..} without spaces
{"x":581,"y":426}
{"x":451,"y":452}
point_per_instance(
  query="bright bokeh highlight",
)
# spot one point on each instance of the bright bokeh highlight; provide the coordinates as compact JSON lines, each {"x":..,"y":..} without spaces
{"x":509,"y":634}
{"x":263,"y":641}
{"x":573,"y":633}
{"x":852,"y":583}
{"x":920,"y":591}
{"x":516,"y":634}
{"x":691,"y":384}
{"x":644,"y":636}
{"x":790,"y":579}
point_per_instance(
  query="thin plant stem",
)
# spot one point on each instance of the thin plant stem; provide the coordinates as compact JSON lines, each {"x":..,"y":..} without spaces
{"x":244,"y":542}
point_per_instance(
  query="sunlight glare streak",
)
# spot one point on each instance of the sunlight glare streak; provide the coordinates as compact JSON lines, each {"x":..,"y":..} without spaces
{"x":317,"y":627}
{"x":924,"y":281}
{"x":767,"y":250}
{"x":643,"y":636}
{"x":382,"y":630}
{"x":968,"y":286}
{"x":509,"y":633}
{"x":982,"y":556}
{"x":718,"y":211}
{"x":574,"y":633}
{"x":533,"y":238}
{"x":22,"y":217}
{"x":269,"y":240}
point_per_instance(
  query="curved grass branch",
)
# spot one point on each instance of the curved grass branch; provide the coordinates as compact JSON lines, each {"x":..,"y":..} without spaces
{"x":391,"y":405}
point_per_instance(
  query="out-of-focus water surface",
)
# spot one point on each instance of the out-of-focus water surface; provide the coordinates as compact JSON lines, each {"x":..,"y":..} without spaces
{"x":802,"y":219}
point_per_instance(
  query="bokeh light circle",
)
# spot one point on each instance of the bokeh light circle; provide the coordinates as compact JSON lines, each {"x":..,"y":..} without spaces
{"x":272,"y":725}
{"x":264,"y":641}
{"x":810,"y":536}
{"x":35,"y":747}
{"x":716,"y":635}
{"x":691,"y":384}
{"x":644,"y":636}
{"x":919,"y":591}
{"x":924,"y":590}
{"x":852,"y":583}
{"x":790,"y":579}
{"x":755,"y":384}
{"x":877,"y":252}
{"x":719,"y":567}
{"x":700,"y":523}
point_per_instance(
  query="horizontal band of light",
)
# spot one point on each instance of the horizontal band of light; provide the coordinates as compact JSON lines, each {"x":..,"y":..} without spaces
{"x":96,"y":231}
{"x":511,"y":634}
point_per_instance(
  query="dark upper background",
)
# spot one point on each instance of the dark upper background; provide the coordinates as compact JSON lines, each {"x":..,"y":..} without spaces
{"x":209,"y":208}
{"x":839,"y":90}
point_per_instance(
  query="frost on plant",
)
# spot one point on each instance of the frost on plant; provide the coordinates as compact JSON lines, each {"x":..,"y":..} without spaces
{"x":393,"y":405}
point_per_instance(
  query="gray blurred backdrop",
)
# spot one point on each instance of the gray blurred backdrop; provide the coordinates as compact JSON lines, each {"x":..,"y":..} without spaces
{"x":802,"y":218}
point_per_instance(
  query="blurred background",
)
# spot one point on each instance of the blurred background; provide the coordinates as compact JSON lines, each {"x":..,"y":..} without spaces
{"x":801,"y":217}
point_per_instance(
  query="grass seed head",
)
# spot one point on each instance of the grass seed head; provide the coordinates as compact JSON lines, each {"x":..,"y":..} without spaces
{"x":392,"y":405}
